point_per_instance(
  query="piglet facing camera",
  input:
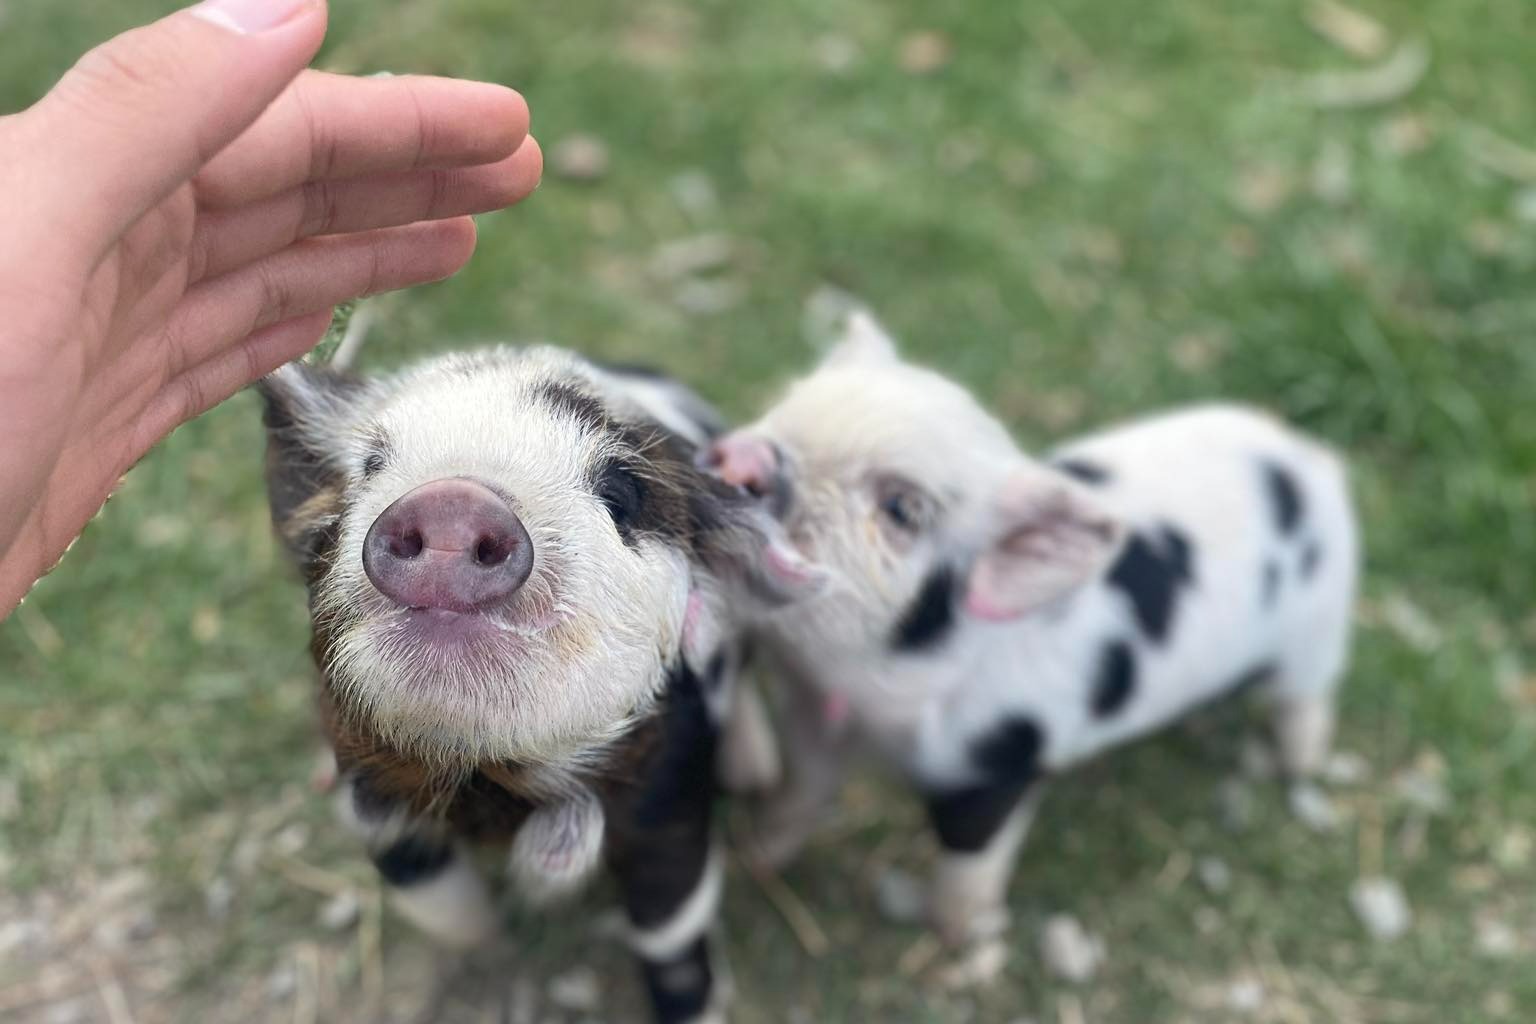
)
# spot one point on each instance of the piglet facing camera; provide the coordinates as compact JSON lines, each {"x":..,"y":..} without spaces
{"x":523,"y":593}
{"x":995,"y":618}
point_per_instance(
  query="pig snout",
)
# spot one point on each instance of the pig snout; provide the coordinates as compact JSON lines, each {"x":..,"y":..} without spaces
{"x":751,"y":463}
{"x":450,"y":544}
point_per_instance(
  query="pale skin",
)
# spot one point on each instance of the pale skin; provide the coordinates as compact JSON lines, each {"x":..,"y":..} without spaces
{"x":182,"y":212}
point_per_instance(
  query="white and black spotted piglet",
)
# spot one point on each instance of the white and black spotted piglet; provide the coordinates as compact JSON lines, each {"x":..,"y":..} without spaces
{"x":993,"y":619}
{"x":518,"y":582}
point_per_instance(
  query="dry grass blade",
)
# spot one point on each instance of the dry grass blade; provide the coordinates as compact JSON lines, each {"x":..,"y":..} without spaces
{"x":32,"y":994}
{"x":370,"y":945}
{"x":36,"y":627}
{"x":1352,"y":31}
{"x":1499,"y":155}
{"x":111,"y":992}
{"x":796,"y":914}
{"x":362,"y":320}
{"x":1385,"y":83}
{"x":308,"y":876}
{"x":919,"y":955}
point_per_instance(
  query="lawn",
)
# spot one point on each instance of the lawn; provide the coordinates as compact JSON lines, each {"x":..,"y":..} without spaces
{"x":1082,"y":208}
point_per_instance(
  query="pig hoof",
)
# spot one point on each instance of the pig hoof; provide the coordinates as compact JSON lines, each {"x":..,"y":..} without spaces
{"x":1304,"y":729}
{"x":970,"y":929}
{"x":558,"y":848}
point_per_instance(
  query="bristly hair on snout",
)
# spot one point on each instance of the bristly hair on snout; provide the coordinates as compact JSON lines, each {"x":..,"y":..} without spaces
{"x":593,"y":473}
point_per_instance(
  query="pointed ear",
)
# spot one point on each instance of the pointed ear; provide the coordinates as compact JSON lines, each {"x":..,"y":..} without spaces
{"x":1050,"y":536}
{"x":306,"y":411}
{"x":864,"y":341}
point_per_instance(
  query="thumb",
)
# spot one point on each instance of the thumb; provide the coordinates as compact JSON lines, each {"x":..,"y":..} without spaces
{"x":140,"y":114}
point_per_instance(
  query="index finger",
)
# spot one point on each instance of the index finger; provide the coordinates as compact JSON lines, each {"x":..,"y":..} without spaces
{"x":338,"y":126}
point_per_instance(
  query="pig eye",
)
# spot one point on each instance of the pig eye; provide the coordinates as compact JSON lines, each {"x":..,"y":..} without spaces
{"x":619,"y":491}
{"x":376,"y":455}
{"x":901,"y":504}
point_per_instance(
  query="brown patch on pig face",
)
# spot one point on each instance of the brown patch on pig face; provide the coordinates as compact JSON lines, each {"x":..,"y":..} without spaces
{"x":620,"y":522}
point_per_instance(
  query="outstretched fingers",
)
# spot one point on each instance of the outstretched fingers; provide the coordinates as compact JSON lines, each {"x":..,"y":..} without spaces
{"x":138,"y":115}
{"x":200,"y":388}
{"x":232,"y":329}
{"x":328,"y":127}
{"x":228,"y":239}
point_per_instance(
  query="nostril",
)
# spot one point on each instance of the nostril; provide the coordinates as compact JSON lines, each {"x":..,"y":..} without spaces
{"x":493,"y":551}
{"x":450,"y":544}
{"x":406,"y":545}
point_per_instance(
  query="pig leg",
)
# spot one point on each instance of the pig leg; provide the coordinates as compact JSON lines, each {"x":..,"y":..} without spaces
{"x":557,"y":847}
{"x":1304,"y":691}
{"x":749,"y":755}
{"x":671,"y":877}
{"x":430,"y":879}
{"x":817,"y":744}
{"x":980,"y":831}
{"x":660,"y":849}
{"x":1304,"y":725}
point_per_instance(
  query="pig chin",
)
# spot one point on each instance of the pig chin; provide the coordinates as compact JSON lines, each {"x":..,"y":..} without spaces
{"x":473,"y":692}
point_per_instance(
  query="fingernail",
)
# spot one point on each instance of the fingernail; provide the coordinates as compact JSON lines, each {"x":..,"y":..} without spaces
{"x":247,"y":17}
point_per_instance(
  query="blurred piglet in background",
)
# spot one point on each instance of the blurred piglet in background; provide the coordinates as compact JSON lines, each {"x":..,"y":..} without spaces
{"x":519,"y":583}
{"x":993,"y":619}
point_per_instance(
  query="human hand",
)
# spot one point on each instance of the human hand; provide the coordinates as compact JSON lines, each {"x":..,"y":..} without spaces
{"x":181,"y":213}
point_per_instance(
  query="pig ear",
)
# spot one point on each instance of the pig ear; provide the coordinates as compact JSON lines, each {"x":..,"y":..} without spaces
{"x":306,"y":412}
{"x":864,"y":341}
{"x":1050,"y":536}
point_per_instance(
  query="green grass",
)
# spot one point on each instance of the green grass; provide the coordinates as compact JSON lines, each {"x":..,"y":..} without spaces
{"x":1096,"y":207}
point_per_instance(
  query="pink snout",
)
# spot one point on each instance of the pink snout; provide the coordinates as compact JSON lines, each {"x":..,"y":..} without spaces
{"x":452,"y":544}
{"x":746,"y":461}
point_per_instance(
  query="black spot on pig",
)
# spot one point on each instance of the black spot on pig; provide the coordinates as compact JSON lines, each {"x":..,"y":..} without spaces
{"x":658,"y":825}
{"x":700,"y":413}
{"x":639,"y":371}
{"x":1007,"y":758}
{"x":684,"y":759}
{"x":411,"y":860}
{"x":564,"y":397}
{"x":369,"y":804}
{"x":929,"y":619}
{"x":1151,"y":570}
{"x":304,"y":489}
{"x":1285,"y":498}
{"x":1311,"y":558}
{"x":680,"y":987}
{"x":1271,"y":586}
{"x":1009,"y":750}
{"x":1115,"y":681}
{"x":714,"y":672}
{"x":1084,"y":471}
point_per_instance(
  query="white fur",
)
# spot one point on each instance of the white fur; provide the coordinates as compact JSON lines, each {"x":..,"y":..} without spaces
{"x":865,"y":418}
{"x":691,"y":920}
{"x":967,"y":903}
{"x":557,"y":849}
{"x":582,"y":649}
{"x":855,"y":420}
{"x":454,"y":907}
{"x":748,"y":757}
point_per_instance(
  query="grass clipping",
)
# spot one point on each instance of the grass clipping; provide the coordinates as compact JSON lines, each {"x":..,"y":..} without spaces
{"x":330,"y":346}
